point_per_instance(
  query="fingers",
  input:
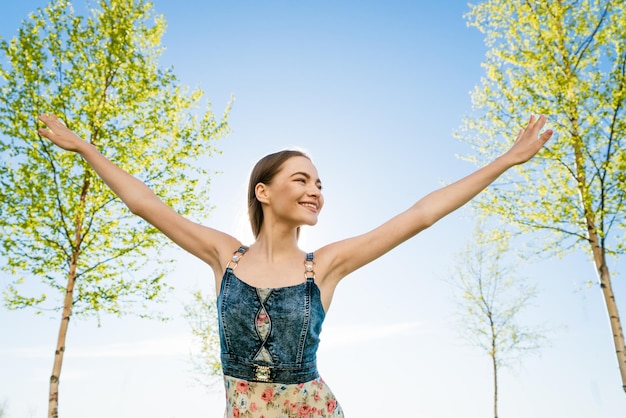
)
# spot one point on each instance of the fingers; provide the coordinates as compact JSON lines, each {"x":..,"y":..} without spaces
{"x":546,"y":135}
{"x":47,"y":120}
{"x":54,"y":127}
{"x":537,"y":122}
{"x":47,"y":117}
{"x":52,"y":122}
{"x":534,"y":126}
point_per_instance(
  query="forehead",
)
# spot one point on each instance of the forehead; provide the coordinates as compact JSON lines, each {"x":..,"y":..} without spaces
{"x":299,"y":164}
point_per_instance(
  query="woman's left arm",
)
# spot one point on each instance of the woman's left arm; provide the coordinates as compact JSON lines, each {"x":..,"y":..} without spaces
{"x":345,"y":256}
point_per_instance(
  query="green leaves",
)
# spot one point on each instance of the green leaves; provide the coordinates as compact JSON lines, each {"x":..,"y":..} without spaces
{"x":100,"y":73}
{"x":565,"y":60}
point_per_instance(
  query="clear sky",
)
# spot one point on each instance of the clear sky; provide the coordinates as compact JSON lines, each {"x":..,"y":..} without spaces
{"x":373,"y":91}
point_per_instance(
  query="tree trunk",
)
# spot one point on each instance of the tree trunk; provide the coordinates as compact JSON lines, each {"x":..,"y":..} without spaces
{"x":604,"y":277}
{"x":53,"y":400}
{"x":53,"y":406}
{"x":495,"y":388}
{"x":495,"y":376}
{"x":599,"y":252}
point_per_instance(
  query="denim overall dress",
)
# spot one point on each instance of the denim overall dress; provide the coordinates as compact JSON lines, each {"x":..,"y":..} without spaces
{"x":268,"y":340}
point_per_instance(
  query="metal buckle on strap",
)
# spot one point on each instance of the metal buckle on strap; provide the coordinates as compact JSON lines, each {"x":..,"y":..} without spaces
{"x":236,"y":257}
{"x":262,"y":373}
{"x":309,"y":269}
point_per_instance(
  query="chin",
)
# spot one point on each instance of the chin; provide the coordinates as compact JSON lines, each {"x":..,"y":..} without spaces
{"x":311,"y":222}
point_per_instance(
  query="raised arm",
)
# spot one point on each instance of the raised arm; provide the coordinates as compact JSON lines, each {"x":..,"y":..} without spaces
{"x":345,"y":256}
{"x":208,"y":244}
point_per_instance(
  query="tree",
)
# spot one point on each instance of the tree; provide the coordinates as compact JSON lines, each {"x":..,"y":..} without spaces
{"x":565,"y":59}
{"x":490,"y":300}
{"x":201,"y":314}
{"x":59,"y":222}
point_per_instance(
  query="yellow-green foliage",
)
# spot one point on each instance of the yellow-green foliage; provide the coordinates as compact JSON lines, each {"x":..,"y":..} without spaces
{"x":100,"y":73}
{"x":567,"y":60}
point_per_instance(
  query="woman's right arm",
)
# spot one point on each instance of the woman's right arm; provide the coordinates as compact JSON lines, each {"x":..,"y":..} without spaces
{"x":208,"y":244}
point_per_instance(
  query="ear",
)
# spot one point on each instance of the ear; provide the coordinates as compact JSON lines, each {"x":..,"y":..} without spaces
{"x":262,"y":193}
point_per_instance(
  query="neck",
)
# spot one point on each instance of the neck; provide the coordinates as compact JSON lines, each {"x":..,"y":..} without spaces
{"x":275,"y":243}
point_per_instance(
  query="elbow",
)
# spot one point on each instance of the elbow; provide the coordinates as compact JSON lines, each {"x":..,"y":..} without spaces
{"x":139,"y":205}
{"x":423,"y":219}
{"x":427,"y":223}
{"x":423,"y":224}
{"x":136,"y":209}
{"x":147,"y":206}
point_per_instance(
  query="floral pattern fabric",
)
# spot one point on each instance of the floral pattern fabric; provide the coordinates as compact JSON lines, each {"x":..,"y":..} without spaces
{"x":276,"y":400}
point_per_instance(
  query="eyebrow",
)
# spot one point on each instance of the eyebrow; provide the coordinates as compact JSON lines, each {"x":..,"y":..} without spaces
{"x":307,"y":175}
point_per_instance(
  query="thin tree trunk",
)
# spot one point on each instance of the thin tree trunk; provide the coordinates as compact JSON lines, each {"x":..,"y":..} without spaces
{"x":599,"y":252}
{"x":495,"y":388}
{"x":495,"y":378}
{"x":599,"y":259}
{"x":604,"y":278}
{"x":53,"y":406}
{"x":53,"y":400}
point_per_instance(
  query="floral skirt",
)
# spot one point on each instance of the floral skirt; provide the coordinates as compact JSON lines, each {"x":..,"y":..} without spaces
{"x":276,"y":400}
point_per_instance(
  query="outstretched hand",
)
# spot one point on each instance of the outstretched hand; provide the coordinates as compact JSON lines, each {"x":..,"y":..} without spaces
{"x":59,"y":134}
{"x":528,"y":141}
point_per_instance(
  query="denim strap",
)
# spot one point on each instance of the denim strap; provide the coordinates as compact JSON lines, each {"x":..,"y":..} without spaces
{"x":309,"y":268}
{"x":236,"y":257}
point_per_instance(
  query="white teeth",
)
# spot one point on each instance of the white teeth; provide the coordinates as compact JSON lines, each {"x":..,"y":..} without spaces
{"x":310,"y":205}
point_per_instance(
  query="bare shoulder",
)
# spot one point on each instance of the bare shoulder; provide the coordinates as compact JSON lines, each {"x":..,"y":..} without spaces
{"x":225,"y":246}
{"x":328,"y":266}
{"x":340,"y":258}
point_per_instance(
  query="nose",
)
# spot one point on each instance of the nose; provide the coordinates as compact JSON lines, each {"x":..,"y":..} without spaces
{"x":314,"y":191}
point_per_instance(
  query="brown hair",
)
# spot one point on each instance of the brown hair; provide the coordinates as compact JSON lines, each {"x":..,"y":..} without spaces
{"x":263,"y":172}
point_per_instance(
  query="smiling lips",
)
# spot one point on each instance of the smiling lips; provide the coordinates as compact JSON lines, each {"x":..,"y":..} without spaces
{"x":310,"y":205}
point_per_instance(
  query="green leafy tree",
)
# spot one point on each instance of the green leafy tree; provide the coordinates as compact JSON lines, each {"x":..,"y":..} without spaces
{"x":60,"y":224}
{"x":490,"y":301}
{"x":565,"y":59}
{"x":201,"y":314}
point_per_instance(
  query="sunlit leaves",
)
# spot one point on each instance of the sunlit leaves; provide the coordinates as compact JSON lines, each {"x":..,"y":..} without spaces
{"x":566,"y":60}
{"x":101,"y":74}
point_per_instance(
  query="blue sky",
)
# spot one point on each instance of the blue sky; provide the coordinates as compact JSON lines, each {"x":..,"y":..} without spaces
{"x":373,"y":91}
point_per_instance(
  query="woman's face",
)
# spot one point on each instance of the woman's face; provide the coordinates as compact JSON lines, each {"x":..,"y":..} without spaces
{"x":295,"y":193}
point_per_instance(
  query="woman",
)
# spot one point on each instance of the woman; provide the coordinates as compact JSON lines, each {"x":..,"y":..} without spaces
{"x":270,"y":316}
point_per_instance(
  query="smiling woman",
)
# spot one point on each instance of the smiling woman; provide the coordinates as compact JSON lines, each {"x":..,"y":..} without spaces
{"x":271,"y":312}
{"x":263,"y":174}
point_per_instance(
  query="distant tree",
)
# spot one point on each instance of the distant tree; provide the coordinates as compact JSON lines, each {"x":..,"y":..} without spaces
{"x":565,"y":59}
{"x":3,"y":409}
{"x":490,"y":302}
{"x":201,"y":314}
{"x":60,"y":225}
